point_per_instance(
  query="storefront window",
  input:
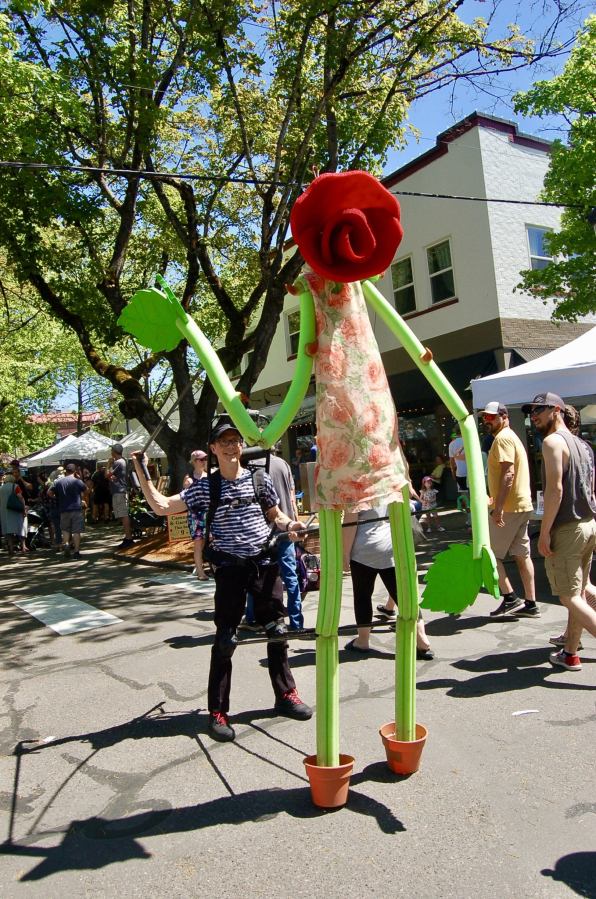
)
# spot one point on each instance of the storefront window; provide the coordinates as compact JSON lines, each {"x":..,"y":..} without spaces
{"x":420,"y":443}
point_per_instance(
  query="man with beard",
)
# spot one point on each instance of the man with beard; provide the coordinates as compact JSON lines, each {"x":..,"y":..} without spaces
{"x":568,"y":531}
{"x":509,"y":489}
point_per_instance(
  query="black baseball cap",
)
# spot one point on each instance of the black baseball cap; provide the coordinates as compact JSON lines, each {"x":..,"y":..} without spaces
{"x":71,"y":467}
{"x":223,"y":424}
{"x":544,"y":399}
{"x":118,"y":448}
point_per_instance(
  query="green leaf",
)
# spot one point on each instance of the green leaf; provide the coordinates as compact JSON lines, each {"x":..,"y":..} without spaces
{"x":453,"y":581}
{"x":151,"y":317}
{"x":490,"y":575}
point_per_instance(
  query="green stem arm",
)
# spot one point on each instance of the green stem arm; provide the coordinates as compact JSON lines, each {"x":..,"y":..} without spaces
{"x":431,"y":371}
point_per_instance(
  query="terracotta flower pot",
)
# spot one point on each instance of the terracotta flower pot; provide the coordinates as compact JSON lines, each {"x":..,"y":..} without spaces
{"x":329,"y":786}
{"x":403,"y":757}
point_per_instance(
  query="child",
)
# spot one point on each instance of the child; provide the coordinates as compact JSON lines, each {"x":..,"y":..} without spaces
{"x":428,"y":495}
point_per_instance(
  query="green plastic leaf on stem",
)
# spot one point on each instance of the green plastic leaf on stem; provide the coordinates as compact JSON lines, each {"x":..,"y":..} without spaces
{"x":490,"y":574}
{"x":453,"y":581}
{"x":151,"y":317}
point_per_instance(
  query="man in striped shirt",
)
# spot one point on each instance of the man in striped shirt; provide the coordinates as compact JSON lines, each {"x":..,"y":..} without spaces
{"x":239,"y":532}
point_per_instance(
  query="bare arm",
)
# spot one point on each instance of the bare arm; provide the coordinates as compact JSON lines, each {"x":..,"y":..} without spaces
{"x":161,"y":505}
{"x":283,"y":522}
{"x":505,"y":484}
{"x":555,"y":458}
{"x":348,"y":535}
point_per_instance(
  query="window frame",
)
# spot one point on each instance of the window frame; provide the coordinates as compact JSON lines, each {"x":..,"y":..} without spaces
{"x":451,"y":268}
{"x":290,"y":353}
{"x":532,"y":256}
{"x":411,"y":284}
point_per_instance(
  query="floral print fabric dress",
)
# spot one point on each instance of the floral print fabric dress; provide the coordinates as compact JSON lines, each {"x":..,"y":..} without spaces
{"x":360,"y":464}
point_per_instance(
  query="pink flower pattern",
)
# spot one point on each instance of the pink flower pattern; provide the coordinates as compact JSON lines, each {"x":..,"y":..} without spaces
{"x":360,"y":465}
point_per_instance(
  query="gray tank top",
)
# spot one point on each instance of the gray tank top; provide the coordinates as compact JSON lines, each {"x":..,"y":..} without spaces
{"x":578,"y":502}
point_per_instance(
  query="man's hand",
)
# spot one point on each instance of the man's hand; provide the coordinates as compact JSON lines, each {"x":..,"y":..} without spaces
{"x":296,"y":530}
{"x":346,"y":563}
{"x":544,"y":545}
{"x":497,"y":517}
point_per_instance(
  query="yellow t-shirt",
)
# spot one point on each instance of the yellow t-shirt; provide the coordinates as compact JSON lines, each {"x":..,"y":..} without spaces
{"x":507,"y":447}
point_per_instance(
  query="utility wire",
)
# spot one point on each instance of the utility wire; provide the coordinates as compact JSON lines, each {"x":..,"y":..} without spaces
{"x":218,"y":179}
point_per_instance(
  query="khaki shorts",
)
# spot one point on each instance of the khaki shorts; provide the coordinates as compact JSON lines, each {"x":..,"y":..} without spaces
{"x":568,"y":569}
{"x":120,"y":505}
{"x":513,"y":538}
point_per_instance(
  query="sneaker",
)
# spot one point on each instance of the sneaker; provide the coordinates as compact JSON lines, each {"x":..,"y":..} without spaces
{"x":561,"y":641}
{"x":571,"y":663}
{"x":76,"y":555}
{"x":219,"y":728}
{"x":250,"y":625}
{"x":292,"y":706}
{"x":440,"y":528}
{"x":528,"y":611}
{"x":125,"y":543}
{"x":382,"y":612}
{"x":506,"y":607}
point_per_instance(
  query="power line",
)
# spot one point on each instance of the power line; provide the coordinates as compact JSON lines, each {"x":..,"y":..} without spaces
{"x":217,"y":179}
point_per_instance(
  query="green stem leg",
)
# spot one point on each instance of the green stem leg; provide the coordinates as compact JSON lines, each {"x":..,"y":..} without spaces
{"x":431,"y":371}
{"x":327,"y":647}
{"x":407,"y":614}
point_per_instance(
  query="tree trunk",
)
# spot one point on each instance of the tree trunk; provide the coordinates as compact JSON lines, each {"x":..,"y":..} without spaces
{"x":79,"y":408}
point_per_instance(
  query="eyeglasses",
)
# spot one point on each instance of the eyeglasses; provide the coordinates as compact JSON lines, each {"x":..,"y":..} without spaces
{"x":537,"y":410}
{"x":233,"y":441}
{"x":489,"y":416}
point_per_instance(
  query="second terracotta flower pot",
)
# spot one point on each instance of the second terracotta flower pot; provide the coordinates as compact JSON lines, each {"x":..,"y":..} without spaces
{"x":329,"y":786}
{"x":403,"y":757}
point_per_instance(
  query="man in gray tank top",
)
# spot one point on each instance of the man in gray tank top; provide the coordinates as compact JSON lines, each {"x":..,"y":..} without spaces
{"x":568,"y":532}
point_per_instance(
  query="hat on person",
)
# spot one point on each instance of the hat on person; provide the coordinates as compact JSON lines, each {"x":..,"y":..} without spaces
{"x":544,"y":399}
{"x":71,"y":467}
{"x":222,"y":426}
{"x":197,"y":454}
{"x":427,"y":478}
{"x":118,"y":448}
{"x":494,"y":408}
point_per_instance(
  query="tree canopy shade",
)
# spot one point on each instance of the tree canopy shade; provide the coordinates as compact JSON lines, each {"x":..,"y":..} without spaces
{"x":570,"y":279}
{"x":256,"y":92}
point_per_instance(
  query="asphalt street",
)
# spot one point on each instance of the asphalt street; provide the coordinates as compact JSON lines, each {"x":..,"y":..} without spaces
{"x":110,"y":785}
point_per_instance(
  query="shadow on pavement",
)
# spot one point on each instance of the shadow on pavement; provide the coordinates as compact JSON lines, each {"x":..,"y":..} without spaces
{"x":578,"y":871}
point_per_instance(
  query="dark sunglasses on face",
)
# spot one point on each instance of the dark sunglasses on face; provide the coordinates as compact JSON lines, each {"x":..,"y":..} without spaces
{"x":537,"y":410}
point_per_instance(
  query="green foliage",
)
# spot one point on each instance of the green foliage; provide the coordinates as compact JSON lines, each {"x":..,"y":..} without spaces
{"x":571,"y":179}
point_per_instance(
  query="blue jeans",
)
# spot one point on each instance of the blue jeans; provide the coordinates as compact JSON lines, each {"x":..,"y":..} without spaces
{"x":286,"y":559}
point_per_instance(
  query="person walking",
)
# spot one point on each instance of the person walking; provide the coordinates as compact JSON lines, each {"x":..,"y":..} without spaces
{"x":13,"y":520}
{"x":196,"y":520}
{"x":118,"y":478}
{"x":70,"y":493}
{"x":240,"y":532}
{"x":428,"y":498}
{"x":511,"y":506}
{"x":568,"y":531}
{"x":101,"y":495}
{"x":368,"y":552}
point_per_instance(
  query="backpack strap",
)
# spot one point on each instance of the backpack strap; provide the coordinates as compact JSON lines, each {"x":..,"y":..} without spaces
{"x":258,"y":485}
{"x":214,"y":481}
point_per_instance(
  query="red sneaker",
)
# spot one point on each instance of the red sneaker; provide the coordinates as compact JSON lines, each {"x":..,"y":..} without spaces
{"x":571,"y":663}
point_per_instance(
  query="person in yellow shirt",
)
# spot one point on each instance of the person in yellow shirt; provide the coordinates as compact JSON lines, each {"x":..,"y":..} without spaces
{"x":511,"y":506}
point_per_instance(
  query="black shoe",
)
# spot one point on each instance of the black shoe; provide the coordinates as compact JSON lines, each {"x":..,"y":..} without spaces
{"x":292,"y":706}
{"x":382,"y":612}
{"x":247,"y":625}
{"x":125,"y":543}
{"x":219,"y":728}
{"x":425,"y":655}
{"x":528,"y":611}
{"x":506,"y":607}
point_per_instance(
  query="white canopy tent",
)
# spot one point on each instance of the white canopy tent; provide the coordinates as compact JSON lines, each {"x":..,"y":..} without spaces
{"x":88,"y":446}
{"x":136,"y":440}
{"x":44,"y":456}
{"x":569,"y":371}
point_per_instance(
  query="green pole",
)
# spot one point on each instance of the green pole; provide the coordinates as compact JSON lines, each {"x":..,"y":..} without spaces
{"x":407,"y":615}
{"x":327,"y":645}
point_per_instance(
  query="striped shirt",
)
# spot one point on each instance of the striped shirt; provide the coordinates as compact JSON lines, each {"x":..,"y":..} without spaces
{"x":237,"y":529}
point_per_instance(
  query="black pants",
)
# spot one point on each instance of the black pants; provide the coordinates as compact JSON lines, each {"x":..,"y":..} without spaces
{"x":232,"y":583}
{"x":363,"y":582}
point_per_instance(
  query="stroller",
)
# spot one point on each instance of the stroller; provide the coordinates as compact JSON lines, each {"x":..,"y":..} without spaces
{"x":143,"y":519}
{"x":309,"y":569}
{"x":37,"y":521}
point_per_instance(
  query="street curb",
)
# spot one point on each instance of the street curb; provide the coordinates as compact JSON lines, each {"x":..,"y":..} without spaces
{"x":179,"y":566}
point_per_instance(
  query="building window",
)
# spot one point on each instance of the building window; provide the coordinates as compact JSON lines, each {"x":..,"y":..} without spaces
{"x":440,"y":269}
{"x":292,"y":331}
{"x":539,"y":258}
{"x":404,"y":295}
{"x":236,"y":372}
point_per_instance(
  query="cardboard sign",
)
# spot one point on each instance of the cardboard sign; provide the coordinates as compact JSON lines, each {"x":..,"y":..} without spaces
{"x":540,"y":502}
{"x":178,"y":528}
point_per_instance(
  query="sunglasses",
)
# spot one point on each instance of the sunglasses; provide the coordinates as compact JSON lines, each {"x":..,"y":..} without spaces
{"x":489,"y":416}
{"x":537,"y":410}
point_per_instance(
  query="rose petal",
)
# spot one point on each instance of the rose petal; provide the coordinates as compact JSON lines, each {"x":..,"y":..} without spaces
{"x":347,"y":235}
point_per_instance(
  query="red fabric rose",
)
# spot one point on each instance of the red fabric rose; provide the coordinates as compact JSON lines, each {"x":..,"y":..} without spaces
{"x":347,"y":226}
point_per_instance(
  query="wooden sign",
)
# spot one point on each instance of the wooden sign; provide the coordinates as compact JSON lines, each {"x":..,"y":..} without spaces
{"x":178,"y":528}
